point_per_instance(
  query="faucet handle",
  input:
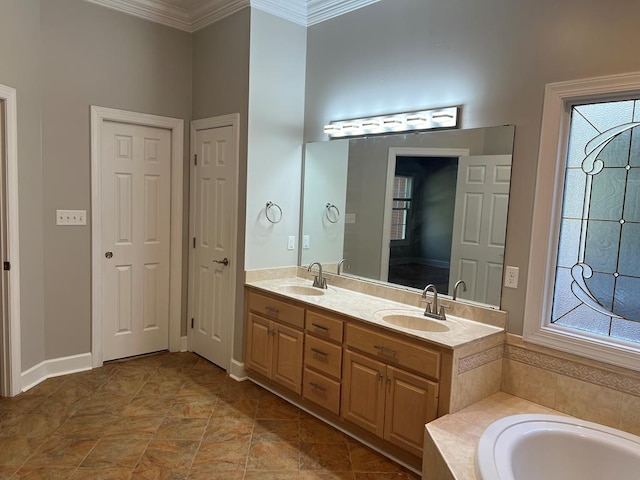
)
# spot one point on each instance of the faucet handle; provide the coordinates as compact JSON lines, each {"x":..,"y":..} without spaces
{"x":441,"y":313}
{"x":427,"y":308}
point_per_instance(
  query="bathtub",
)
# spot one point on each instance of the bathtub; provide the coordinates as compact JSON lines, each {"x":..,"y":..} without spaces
{"x":554,"y":447}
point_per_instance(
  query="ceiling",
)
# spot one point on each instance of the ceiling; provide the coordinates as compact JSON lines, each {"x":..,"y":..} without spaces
{"x":192,"y":15}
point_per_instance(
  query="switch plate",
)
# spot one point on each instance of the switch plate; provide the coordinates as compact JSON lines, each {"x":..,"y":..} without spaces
{"x":511,"y":277}
{"x":71,"y":217}
{"x":350,"y":218}
{"x":305,"y":242}
{"x":291,"y":245}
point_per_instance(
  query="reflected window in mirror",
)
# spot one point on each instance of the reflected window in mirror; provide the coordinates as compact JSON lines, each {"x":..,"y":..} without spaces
{"x":402,"y":195}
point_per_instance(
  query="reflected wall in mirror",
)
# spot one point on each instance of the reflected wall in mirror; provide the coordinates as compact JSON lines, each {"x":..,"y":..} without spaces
{"x":414,"y":208}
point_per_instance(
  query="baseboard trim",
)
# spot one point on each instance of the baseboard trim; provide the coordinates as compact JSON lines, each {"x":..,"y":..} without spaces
{"x":184,"y":344}
{"x":54,"y":368}
{"x":237,"y":371}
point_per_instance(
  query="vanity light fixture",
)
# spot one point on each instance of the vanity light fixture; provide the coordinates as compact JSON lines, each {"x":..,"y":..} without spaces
{"x":436,"y":118}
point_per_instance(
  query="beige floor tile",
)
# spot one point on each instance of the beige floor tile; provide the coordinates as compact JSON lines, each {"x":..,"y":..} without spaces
{"x":143,"y":427}
{"x":220,"y":456}
{"x":365,"y":460}
{"x":182,"y":428}
{"x":279,"y":430}
{"x":83,"y":473}
{"x":333,"y":457}
{"x":221,"y":429}
{"x":115,"y":453}
{"x":44,"y":473}
{"x":274,"y":456}
{"x":61,"y":451}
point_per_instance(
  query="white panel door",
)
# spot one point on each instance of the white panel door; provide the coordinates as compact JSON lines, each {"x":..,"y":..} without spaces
{"x":477,"y":248}
{"x":136,"y":199}
{"x":214,"y":202}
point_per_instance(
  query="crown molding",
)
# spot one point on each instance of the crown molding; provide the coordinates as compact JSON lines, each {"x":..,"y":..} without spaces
{"x":320,"y":10}
{"x":302,"y":12}
{"x":292,"y":10}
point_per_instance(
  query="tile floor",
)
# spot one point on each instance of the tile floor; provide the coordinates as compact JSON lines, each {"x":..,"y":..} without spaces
{"x":172,"y":416}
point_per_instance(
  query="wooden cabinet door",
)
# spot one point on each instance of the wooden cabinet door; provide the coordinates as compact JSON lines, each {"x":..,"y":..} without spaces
{"x":411,"y":402}
{"x":287,"y":357}
{"x":259,"y":346}
{"x":363,"y":392}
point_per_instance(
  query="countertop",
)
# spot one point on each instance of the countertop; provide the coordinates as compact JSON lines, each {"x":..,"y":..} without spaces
{"x":372,"y":309}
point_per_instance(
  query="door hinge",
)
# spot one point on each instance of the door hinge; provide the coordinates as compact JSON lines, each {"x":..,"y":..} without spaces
{"x":192,"y":323}
{"x":6,"y":266}
{"x":195,"y":159}
{"x":194,"y":242}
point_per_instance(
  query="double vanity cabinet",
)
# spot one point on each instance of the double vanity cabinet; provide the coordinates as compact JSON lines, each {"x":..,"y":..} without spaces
{"x":379,"y":384}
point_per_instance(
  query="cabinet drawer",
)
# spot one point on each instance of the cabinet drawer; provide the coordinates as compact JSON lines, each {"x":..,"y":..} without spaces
{"x":277,"y":309}
{"x":323,"y":356}
{"x":325,"y":327}
{"x":393,"y":350}
{"x":321,"y":390}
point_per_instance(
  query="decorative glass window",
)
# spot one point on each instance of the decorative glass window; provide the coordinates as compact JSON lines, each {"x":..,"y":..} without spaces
{"x":597,"y":274}
{"x":402,"y":192}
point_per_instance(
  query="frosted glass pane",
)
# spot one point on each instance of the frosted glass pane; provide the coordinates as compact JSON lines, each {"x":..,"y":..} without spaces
{"x":575,"y":180}
{"x":580,"y":133}
{"x":625,"y":330}
{"x":605,"y":116}
{"x":632,"y":199}
{"x":627,"y":301}
{"x":607,"y":194}
{"x":584,"y":318}
{"x":569,"y":243}
{"x":630,"y":250}
{"x":616,"y":153}
{"x":563,"y":299}
{"x":601,"y":287}
{"x":602,"y":245}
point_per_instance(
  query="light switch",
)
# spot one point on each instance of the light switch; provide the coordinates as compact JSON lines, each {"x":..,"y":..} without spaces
{"x":71,"y":217}
{"x":291,"y":245}
{"x":305,"y":242}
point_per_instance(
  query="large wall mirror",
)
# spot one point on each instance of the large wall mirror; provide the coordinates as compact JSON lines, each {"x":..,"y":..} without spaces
{"x":411,"y":209}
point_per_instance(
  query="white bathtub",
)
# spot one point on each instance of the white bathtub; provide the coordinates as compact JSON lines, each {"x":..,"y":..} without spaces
{"x":553,"y":447}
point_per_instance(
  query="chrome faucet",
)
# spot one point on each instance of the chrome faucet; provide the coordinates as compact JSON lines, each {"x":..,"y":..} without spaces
{"x":319,"y":281}
{"x":432,"y":311}
{"x":455,"y":288}
{"x":341,"y":263}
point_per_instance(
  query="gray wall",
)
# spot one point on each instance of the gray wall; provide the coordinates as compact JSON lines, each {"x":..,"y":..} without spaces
{"x":20,"y":69}
{"x":220,"y":87}
{"x":494,"y":57}
{"x":65,"y":56}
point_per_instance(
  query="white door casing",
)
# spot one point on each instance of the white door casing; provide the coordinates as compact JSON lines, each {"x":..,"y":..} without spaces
{"x":477,"y":246}
{"x":136,"y":195}
{"x":388,"y":202}
{"x":10,"y":374}
{"x":212,"y":263}
{"x":147,"y":248}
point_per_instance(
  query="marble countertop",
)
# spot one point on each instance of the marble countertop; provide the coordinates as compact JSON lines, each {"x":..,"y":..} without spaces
{"x":372,"y":310}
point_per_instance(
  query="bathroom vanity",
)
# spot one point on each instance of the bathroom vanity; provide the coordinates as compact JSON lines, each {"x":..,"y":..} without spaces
{"x":374,"y":368}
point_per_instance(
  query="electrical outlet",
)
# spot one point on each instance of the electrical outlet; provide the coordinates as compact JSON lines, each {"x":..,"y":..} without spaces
{"x":511,"y":277}
{"x":291,"y":245}
{"x":305,"y":242}
{"x":71,"y":217}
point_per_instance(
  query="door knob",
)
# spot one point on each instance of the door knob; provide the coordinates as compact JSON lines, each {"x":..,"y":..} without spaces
{"x":108,"y":254}
{"x":224,"y":261}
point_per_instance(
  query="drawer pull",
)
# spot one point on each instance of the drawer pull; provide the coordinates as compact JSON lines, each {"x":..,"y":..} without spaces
{"x":321,"y":327}
{"x":319,"y":352}
{"x":272,"y":310}
{"x":317,"y":386}
{"x":385,"y":351}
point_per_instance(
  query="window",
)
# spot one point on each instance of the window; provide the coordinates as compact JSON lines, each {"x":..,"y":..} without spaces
{"x":584,"y":297}
{"x":402,"y":191}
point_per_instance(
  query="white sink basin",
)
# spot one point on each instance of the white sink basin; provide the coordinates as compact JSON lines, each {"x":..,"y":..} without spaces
{"x":302,"y":290}
{"x":415,"y":322}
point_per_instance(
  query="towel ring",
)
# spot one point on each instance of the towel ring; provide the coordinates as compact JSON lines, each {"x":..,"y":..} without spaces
{"x":268,"y":207}
{"x":335,"y":216}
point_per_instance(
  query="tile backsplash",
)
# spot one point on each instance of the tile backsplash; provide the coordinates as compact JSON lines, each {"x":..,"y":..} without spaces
{"x":574,"y":385}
